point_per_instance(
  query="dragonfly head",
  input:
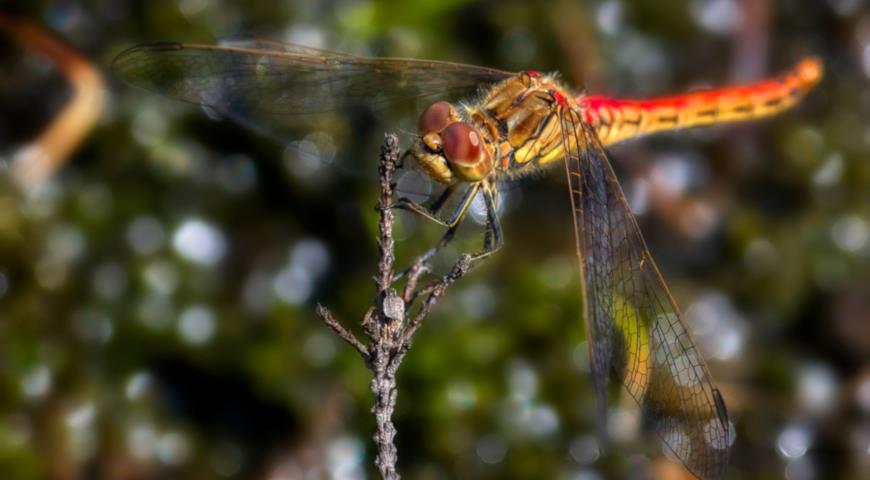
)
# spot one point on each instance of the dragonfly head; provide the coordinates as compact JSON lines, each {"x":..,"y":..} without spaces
{"x":450,"y":150}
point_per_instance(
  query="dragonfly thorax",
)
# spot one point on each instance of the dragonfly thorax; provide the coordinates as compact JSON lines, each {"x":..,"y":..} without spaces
{"x":512,"y":130}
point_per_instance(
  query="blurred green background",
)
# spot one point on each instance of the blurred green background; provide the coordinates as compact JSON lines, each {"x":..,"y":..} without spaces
{"x":157,"y":294}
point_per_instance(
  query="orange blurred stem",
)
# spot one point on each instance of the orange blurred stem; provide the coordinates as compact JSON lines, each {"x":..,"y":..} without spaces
{"x":45,"y":154}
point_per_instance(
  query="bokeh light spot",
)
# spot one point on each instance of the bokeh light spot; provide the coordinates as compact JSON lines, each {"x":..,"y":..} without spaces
{"x":145,"y":235}
{"x":199,"y":241}
{"x":793,"y":441}
{"x":491,"y":449}
{"x":197,"y":325}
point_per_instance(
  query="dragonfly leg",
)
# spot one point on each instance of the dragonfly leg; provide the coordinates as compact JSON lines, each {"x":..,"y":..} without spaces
{"x":439,"y":202}
{"x":445,"y":239}
{"x":492,"y":235}
{"x":431,"y":213}
{"x":401,"y":162}
{"x":452,"y":223}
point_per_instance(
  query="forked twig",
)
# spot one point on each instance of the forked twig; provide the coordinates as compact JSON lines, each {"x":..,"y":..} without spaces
{"x":342,"y":332}
{"x":386,"y":323}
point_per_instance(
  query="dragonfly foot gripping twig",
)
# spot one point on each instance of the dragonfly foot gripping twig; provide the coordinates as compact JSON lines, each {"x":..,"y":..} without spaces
{"x":387,"y":324}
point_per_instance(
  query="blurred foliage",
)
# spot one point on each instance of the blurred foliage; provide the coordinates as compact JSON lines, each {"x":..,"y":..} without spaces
{"x":156,"y":297}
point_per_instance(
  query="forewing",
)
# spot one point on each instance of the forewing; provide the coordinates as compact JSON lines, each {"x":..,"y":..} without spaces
{"x":274,"y":87}
{"x":635,"y":330}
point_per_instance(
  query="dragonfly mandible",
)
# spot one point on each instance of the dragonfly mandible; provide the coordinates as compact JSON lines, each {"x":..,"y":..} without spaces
{"x":514,"y":124}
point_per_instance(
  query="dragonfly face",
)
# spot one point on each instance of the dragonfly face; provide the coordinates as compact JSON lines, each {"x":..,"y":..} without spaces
{"x":451,"y":150}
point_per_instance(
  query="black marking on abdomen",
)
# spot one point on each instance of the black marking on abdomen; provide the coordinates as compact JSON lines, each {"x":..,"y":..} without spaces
{"x":631,"y":121}
{"x":667,"y":119}
{"x":773,"y":102}
{"x":706,"y":113}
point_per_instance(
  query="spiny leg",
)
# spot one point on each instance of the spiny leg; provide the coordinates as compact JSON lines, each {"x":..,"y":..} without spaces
{"x":401,"y":162}
{"x":439,"y":202}
{"x":492,"y":235}
{"x":453,"y":221}
{"x":431,"y":213}
{"x":492,"y":238}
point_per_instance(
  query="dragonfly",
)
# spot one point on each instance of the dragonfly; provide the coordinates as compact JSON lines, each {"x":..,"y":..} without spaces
{"x":508,"y":125}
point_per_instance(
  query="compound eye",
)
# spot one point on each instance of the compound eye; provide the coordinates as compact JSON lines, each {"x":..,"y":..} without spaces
{"x":462,"y":144}
{"x":435,"y":117}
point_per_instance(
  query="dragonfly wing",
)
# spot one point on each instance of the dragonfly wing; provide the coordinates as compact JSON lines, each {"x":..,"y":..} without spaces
{"x":275,"y":87}
{"x":636,"y":332}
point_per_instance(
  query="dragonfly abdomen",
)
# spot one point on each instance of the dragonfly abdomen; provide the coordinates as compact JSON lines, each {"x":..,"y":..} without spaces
{"x":616,"y":120}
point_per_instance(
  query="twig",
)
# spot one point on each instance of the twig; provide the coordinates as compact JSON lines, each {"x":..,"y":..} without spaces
{"x":437,"y":291}
{"x":417,"y":269}
{"x":386,"y":169}
{"x":342,"y":332}
{"x":385,"y":323}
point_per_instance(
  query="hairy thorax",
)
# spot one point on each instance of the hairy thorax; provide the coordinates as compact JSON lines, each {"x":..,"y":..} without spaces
{"x":514,"y":129}
{"x":519,"y":117}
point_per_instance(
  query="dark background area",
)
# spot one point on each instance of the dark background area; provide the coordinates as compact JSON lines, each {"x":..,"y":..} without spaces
{"x":157,"y":294}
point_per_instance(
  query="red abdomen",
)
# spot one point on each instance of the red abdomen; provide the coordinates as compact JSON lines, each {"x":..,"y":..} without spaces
{"x":616,"y":120}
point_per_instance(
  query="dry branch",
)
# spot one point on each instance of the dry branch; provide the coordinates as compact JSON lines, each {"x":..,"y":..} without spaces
{"x":387,"y":323}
